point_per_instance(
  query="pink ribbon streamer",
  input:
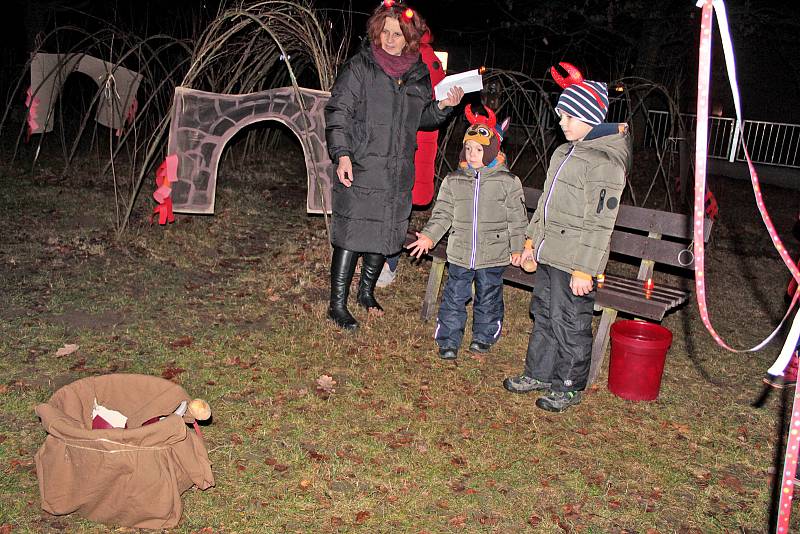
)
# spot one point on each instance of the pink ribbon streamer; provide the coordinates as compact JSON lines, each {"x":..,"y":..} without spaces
{"x":32,"y":103}
{"x":701,"y":152}
{"x":704,"y":69}
{"x":131,"y":115}
{"x":166,"y":174}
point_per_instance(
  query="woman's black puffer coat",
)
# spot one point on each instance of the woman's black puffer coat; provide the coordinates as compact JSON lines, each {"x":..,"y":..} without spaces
{"x":374,"y":119}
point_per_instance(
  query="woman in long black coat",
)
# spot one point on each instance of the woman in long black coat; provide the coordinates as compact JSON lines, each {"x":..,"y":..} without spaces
{"x":381,"y":97}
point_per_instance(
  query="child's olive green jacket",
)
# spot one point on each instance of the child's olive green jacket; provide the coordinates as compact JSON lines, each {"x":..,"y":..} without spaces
{"x":484,"y":212}
{"x":571,"y":227}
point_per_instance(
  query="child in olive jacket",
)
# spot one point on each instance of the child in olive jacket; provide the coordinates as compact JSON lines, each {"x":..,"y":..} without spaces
{"x":481,"y":207}
{"x":569,"y":238}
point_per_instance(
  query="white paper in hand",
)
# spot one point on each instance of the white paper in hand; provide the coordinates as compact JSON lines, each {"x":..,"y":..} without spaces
{"x":470,"y":81}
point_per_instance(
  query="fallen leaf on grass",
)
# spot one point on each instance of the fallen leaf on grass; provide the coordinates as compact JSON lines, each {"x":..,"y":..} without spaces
{"x":66,"y":350}
{"x":534,"y":520}
{"x":337,"y":521}
{"x":236,"y":361}
{"x":6,"y":528}
{"x":457,"y":521}
{"x":19,"y":464}
{"x":488,"y":520}
{"x":79,"y":365}
{"x":183,"y":341}
{"x":362,"y":516}
{"x":314,"y":454}
{"x":325,"y":385}
{"x":733,"y":483}
{"x":171,"y":372}
{"x":742,"y":433}
{"x":563,"y":526}
{"x":305,"y":484}
{"x":682,"y":429}
{"x":572,"y":511}
{"x":3,"y":389}
{"x":458,"y":487}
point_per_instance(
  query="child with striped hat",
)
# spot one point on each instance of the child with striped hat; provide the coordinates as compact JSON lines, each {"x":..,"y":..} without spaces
{"x":568,"y":239}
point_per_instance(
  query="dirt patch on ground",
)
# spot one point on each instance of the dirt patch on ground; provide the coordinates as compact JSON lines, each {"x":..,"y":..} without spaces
{"x":81,"y":320}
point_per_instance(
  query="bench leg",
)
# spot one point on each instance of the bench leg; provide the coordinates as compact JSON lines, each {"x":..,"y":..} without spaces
{"x":600,"y":343}
{"x":432,"y":291}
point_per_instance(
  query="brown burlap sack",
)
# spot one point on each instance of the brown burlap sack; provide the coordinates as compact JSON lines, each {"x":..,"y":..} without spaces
{"x":130,"y":477}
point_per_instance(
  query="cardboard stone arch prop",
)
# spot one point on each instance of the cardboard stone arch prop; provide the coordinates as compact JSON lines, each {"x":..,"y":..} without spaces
{"x":50,"y":71}
{"x":202,"y":123}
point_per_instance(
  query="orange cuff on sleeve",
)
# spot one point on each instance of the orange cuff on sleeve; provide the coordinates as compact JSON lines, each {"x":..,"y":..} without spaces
{"x":582,"y":275}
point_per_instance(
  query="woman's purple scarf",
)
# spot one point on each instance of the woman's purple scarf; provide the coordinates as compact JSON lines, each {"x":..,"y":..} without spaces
{"x":394,"y":66}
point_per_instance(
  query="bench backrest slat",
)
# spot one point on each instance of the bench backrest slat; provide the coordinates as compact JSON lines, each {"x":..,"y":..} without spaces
{"x":646,"y":248}
{"x":662,"y":223}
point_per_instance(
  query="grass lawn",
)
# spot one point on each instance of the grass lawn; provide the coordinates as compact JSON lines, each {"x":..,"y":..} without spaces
{"x":232,"y":307}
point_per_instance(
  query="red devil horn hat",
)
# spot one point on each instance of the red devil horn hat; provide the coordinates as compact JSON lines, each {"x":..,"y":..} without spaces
{"x":574,"y":76}
{"x":489,"y":121}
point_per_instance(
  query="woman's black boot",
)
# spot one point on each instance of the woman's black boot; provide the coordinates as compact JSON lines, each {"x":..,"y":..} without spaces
{"x":371,"y":265}
{"x":343,"y":265}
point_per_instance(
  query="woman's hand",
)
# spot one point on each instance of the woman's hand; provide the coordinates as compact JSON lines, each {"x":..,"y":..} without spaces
{"x":454,"y":96}
{"x":345,"y":171}
{"x":421,"y":246}
{"x":516,"y":260}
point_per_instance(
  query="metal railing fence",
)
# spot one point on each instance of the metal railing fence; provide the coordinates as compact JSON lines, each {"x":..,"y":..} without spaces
{"x":769,"y":143}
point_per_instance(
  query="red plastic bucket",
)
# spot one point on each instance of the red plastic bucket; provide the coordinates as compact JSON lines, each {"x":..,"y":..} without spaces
{"x":638,"y":351}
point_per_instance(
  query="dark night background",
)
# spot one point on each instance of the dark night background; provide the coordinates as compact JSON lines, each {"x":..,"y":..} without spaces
{"x":607,"y":40}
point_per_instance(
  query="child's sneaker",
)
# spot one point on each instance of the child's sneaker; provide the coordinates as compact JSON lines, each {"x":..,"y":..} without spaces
{"x":477,"y":346}
{"x":559,"y":401}
{"x":524,"y":384}
{"x":789,"y":378}
{"x":448,"y":354}
{"x":386,"y":277}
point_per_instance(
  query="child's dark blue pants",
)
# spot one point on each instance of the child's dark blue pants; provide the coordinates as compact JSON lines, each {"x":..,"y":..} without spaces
{"x":487,"y":308}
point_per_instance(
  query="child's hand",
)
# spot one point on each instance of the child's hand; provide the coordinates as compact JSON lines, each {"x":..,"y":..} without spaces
{"x":527,"y":262}
{"x":516,"y":260}
{"x":580,"y":286}
{"x":421,"y":246}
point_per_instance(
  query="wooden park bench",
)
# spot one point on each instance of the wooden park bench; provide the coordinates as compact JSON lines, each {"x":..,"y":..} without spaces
{"x":647,"y":235}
